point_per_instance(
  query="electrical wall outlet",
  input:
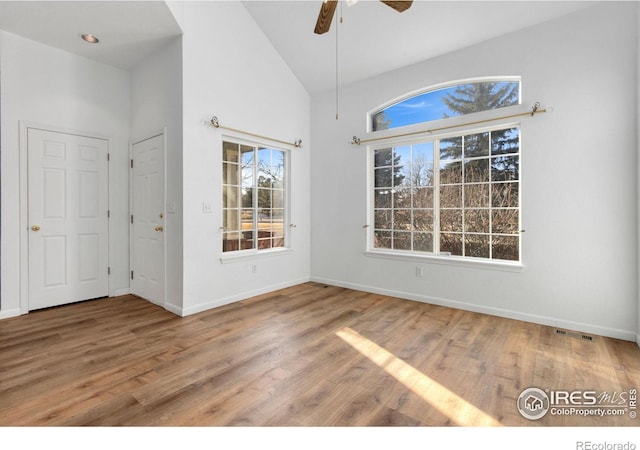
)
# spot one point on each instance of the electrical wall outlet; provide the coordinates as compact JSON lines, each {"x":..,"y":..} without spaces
{"x":419,"y":271}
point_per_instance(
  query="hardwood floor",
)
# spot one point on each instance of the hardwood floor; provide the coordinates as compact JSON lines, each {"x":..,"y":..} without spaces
{"x":310,"y":355}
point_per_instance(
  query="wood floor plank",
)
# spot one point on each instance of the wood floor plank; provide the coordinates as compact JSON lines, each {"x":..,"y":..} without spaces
{"x":308,"y":355}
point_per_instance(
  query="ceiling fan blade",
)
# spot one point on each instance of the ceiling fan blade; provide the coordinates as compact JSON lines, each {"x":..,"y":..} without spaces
{"x":399,"y":6}
{"x":326,"y":15}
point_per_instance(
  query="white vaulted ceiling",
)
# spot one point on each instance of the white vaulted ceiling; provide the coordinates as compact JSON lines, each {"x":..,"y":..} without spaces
{"x":372,"y":38}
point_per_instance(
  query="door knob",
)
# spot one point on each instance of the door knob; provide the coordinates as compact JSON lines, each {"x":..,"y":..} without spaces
{"x":159,"y":228}
{"x":35,"y":228}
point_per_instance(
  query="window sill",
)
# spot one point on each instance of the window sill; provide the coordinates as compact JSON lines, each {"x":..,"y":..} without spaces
{"x":248,"y":255}
{"x":504,"y":266}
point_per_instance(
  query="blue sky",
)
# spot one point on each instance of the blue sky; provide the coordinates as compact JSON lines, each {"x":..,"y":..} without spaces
{"x":423,"y":107}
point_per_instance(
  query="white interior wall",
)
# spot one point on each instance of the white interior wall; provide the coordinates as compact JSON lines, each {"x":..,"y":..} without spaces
{"x":231,"y":70}
{"x":242,"y":79}
{"x":638,"y":173}
{"x":579,"y":190}
{"x":156,"y":105}
{"x":43,"y":85}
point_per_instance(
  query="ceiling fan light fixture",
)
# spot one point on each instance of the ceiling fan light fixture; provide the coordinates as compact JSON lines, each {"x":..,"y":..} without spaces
{"x":328,"y":9}
{"x":90,"y":38}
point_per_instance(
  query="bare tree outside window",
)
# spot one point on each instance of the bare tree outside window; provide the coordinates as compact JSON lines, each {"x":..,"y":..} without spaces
{"x":458,"y":195}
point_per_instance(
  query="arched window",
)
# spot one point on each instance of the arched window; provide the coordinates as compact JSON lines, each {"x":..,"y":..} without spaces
{"x":448,"y":101}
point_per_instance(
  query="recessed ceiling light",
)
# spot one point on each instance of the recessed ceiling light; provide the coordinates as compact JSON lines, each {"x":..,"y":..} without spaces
{"x":90,"y":38}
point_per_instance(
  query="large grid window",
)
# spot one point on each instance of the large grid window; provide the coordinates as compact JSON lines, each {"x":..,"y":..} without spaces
{"x":253,"y":197}
{"x":455,"y":196}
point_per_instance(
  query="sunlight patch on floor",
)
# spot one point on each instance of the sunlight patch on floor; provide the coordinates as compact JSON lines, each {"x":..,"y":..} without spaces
{"x":446,"y":402}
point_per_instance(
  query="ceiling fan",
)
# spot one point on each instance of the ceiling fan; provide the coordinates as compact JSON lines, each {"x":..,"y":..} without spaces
{"x":329,"y":7}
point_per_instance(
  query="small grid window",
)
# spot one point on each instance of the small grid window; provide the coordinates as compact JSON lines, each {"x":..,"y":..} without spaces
{"x":253,"y":197}
{"x":456,"y":196}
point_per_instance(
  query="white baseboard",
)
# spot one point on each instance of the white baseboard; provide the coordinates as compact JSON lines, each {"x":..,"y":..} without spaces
{"x":7,"y":314}
{"x":120,"y":292}
{"x":173,"y":309}
{"x":499,"y":312}
{"x":234,"y":298}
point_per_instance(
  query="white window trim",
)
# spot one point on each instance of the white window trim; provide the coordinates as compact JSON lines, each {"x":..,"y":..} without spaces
{"x":414,"y":256}
{"x":252,"y":254}
{"x":458,"y":261}
{"x":450,"y":126}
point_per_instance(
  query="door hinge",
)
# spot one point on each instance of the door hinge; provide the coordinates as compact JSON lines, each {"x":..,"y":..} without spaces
{"x":108,"y":270}
{"x":131,"y":218}
{"x":132,"y":274}
{"x":132,"y":163}
{"x":108,"y":213}
{"x":108,"y":156}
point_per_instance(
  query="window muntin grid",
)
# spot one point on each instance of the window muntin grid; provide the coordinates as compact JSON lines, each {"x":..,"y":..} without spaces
{"x":468,"y":207}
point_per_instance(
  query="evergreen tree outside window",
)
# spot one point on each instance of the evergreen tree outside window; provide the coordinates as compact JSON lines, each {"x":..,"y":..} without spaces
{"x":457,"y":196}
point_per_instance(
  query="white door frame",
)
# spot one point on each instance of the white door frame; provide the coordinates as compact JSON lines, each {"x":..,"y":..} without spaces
{"x":162,"y":133}
{"x":24,"y":202}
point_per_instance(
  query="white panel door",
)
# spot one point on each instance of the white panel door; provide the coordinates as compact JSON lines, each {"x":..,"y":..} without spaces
{"x":68,"y":223}
{"x":147,"y":219}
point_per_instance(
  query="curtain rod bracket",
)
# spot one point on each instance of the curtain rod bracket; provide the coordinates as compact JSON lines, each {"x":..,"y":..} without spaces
{"x":534,"y":108}
{"x":298,"y":143}
{"x":214,"y":122}
{"x":355,"y":140}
